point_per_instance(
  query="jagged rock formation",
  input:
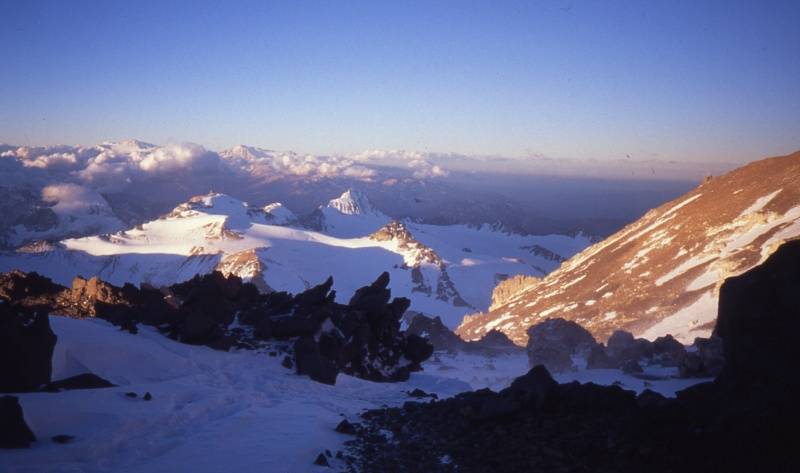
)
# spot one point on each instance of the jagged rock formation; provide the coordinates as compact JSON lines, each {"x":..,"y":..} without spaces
{"x":416,"y":255}
{"x":510,"y":286}
{"x":662,"y":273}
{"x":741,"y":422}
{"x":361,"y":338}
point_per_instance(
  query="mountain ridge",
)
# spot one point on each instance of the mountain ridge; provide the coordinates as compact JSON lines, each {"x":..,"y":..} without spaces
{"x":661,"y":274}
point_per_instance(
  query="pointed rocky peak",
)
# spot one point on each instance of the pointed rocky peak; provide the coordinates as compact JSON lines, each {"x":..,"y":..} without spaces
{"x":414,"y":251}
{"x":393,"y":230}
{"x":352,"y":202}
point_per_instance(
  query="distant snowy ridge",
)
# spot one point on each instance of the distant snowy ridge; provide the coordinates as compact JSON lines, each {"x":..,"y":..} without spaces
{"x":445,"y":270}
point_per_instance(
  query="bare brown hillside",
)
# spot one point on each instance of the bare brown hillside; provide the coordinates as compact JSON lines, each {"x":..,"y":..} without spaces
{"x":661,"y":273}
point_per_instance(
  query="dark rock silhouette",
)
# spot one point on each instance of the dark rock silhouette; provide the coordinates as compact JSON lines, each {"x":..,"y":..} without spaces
{"x":554,"y":342}
{"x":81,"y":381}
{"x":26,"y":348}
{"x":362,"y":338}
{"x":14,"y":432}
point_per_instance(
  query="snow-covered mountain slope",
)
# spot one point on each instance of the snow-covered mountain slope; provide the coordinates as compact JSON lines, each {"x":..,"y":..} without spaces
{"x":60,"y":211}
{"x":661,"y":274}
{"x":445,"y":270}
{"x":349,"y":215}
{"x":214,"y":411}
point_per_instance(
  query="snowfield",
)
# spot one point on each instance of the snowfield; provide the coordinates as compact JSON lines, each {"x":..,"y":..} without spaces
{"x":217,"y":411}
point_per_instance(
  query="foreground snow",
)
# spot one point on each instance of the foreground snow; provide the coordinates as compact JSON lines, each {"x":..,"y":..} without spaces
{"x":213,"y":411}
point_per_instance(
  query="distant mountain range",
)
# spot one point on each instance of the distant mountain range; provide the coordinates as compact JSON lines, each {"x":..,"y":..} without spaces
{"x":661,"y":274}
{"x":56,"y":192}
{"x":446,"y":271}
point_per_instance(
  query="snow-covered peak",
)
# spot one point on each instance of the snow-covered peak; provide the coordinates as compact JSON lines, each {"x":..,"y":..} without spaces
{"x":278,"y":214}
{"x":237,"y":213}
{"x":352,"y":202}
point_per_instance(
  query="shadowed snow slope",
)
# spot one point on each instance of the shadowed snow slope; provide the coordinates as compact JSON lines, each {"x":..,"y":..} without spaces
{"x":661,"y":274}
{"x":445,"y":270}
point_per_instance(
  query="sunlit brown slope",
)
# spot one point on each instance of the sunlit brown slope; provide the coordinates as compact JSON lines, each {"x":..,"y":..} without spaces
{"x":661,"y":273}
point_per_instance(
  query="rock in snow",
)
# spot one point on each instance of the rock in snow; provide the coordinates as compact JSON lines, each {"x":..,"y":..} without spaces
{"x":26,"y":348}
{"x":14,"y":432}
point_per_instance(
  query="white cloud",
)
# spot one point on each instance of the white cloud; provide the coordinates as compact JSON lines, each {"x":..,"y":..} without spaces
{"x":272,"y":164}
{"x":71,"y":198}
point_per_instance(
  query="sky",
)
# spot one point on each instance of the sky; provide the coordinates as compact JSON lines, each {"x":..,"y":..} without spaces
{"x":701,"y":81}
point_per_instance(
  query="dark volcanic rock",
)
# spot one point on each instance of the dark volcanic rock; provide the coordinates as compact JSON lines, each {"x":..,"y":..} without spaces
{"x":417,"y":349}
{"x":435,"y":331}
{"x":598,"y":359}
{"x":759,"y":321}
{"x":26,"y":348}
{"x":622,"y":347}
{"x":554,"y":342}
{"x":321,"y":460}
{"x":346,"y":428}
{"x":494,"y":341}
{"x":199,"y":328}
{"x":29,"y":289}
{"x":61,"y":438}
{"x":362,"y":339}
{"x":374,"y":296}
{"x":81,"y":381}
{"x":309,"y":361}
{"x":14,"y":432}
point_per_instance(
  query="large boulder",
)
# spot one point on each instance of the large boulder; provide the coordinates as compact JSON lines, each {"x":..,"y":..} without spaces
{"x":554,"y":342}
{"x":310,"y":361}
{"x":435,"y":331}
{"x":26,"y":348}
{"x":759,"y":322}
{"x":417,"y":349}
{"x":623,"y":347}
{"x":14,"y":432}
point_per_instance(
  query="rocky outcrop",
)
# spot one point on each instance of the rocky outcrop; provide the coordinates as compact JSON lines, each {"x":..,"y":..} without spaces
{"x":14,"y":432}
{"x":741,"y":422}
{"x":26,"y":348}
{"x":759,"y":323}
{"x":554,"y":342}
{"x":361,"y":338}
{"x":416,"y":254}
{"x":510,"y":286}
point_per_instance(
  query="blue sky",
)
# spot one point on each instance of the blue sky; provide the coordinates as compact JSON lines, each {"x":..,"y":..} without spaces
{"x":694,"y":80}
